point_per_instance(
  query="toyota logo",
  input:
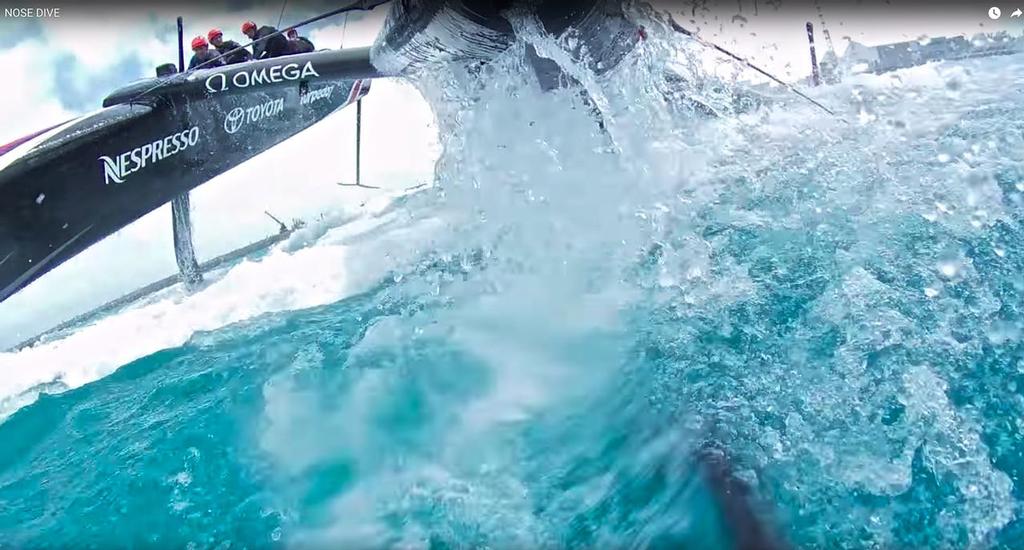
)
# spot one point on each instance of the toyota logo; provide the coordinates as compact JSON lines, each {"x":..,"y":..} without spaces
{"x":234,"y":120}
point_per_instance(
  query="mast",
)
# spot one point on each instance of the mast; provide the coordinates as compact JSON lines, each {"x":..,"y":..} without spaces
{"x":815,"y":77}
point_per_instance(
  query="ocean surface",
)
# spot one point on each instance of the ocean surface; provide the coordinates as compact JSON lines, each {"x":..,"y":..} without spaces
{"x":528,"y":352}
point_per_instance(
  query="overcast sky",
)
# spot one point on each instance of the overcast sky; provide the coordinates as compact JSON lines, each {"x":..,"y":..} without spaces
{"x":64,"y":66}
{"x":772,"y":33}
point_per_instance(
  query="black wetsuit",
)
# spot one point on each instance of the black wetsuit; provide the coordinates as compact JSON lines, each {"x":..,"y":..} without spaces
{"x":264,"y":48}
{"x":241,"y":56}
{"x":301,"y":44}
{"x":204,"y":56}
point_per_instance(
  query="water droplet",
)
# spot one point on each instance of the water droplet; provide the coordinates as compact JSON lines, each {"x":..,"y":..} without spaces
{"x":943,"y":157}
{"x":865,"y":117}
{"x":949,"y":269}
{"x":40,"y":198}
{"x":931,"y":292}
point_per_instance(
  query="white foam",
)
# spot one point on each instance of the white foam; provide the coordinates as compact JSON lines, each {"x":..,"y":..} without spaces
{"x":320,"y":274}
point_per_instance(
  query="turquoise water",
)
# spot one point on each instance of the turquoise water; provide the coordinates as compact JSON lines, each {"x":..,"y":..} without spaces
{"x":527,"y":354}
{"x":172,"y":449}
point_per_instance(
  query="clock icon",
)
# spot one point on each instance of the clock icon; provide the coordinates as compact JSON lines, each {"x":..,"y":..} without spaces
{"x":994,"y":12}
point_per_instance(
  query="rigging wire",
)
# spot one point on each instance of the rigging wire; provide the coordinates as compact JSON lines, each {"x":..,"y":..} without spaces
{"x":680,"y":29}
{"x":281,"y":15}
{"x":344,"y":27}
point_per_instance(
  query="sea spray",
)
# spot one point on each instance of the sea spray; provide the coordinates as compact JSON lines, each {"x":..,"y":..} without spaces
{"x":539,"y":342}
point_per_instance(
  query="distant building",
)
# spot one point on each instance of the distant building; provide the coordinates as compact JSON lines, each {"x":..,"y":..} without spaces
{"x":859,"y":58}
{"x":889,"y":57}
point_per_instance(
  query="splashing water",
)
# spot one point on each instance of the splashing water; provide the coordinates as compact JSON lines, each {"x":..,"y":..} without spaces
{"x":534,"y":347}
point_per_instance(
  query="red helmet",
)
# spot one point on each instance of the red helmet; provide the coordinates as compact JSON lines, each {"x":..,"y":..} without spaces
{"x":199,"y":42}
{"x":248,"y":26}
{"x":214,"y":33}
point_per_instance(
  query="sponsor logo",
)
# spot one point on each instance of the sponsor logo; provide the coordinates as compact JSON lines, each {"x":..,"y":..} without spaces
{"x":119,"y":167}
{"x":316,"y":95}
{"x":263,"y":75}
{"x":359,"y":89}
{"x":239,"y":117}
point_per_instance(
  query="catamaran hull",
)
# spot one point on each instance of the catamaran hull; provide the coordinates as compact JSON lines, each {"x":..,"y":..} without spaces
{"x":67,"y":188}
{"x":419,"y":33}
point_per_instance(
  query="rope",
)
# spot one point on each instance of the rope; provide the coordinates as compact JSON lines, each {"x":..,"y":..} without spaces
{"x":364,"y":5}
{"x":679,"y":28}
{"x":344,"y":27}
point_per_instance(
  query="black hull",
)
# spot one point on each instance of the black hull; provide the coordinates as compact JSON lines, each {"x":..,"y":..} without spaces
{"x":423,"y":32}
{"x":72,"y":186}
{"x":68,"y":188}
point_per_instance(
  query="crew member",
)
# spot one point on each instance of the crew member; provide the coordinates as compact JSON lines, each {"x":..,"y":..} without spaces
{"x":268,"y":42}
{"x":224,"y":46}
{"x":167,"y":69}
{"x":201,"y":53}
{"x":298,"y":44}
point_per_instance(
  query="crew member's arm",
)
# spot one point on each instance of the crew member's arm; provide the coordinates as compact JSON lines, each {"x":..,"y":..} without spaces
{"x":243,"y":55}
